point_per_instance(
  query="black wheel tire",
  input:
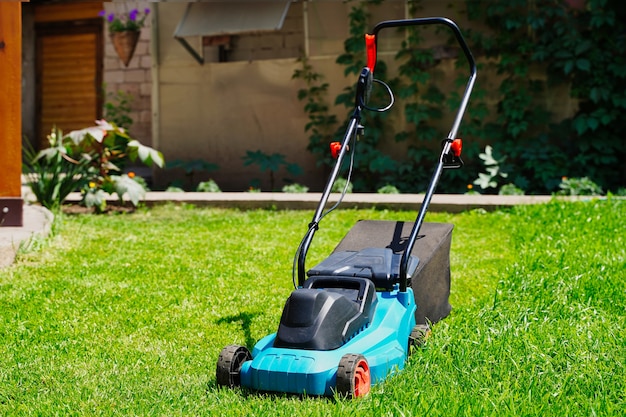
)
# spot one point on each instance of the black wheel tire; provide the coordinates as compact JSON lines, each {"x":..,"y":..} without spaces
{"x":418,"y":336}
{"x":228,"y":372}
{"x":353,"y":376}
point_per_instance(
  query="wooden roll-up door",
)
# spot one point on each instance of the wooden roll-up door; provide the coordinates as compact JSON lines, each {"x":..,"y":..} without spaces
{"x":69,"y":71}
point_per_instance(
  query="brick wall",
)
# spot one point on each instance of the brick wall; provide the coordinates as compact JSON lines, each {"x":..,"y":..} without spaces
{"x":285,"y":43}
{"x":135,"y":78}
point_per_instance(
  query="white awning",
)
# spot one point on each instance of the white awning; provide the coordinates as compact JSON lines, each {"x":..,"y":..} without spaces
{"x":230,"y":17}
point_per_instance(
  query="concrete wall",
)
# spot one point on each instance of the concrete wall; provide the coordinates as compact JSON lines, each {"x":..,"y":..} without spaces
{"x":219,"y":110}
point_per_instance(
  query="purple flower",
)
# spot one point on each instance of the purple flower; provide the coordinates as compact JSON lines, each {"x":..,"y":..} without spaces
{"x":102,"y":13}
{"x":133,"y":14}
{"x":111,"y":17}
{"x":146,"y":10}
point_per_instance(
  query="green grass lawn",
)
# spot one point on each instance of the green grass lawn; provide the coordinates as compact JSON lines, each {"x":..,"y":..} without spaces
{"x":126,"y":314}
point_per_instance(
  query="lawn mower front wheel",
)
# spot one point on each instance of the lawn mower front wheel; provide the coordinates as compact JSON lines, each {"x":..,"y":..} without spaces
{"x":353,"y":376}
{"x":228,"y":372}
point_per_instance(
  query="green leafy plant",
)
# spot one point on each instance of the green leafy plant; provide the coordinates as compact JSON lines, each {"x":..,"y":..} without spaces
{"x":174,"y":189}
{"x":539,"y":50}
{"x":322,"y":124}
{"x":510,"y":189}
{"x":108,"y":147}
{"x":375,"y":168}
{"x":295,"y":188}
{"x":271,"y":163}
{"x":117,"y":109}
{"x":341,"y":184}
{"x":579,"y":186}
{"x":53,"y":173}
{"x":423,"y":107}
{"x":494,"y":170}
{"x":209,"y":186}
{"x":388,"y":189}
{"x":139,"y":180}
{"x":88,"y":160}
{"x":191,"y":168}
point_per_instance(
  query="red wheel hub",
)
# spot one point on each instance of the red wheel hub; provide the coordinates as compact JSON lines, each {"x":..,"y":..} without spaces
{"x":362,"y":379}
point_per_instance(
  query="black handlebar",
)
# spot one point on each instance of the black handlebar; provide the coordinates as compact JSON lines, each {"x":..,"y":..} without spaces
{"x":422,"y":22}
{"x":363,"y":90}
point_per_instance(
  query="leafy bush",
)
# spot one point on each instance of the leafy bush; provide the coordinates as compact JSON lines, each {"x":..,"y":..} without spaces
{"x":579,"y":186}
{"x":540,"y":49}
{"x":295,"y":188}
{"x":191,"y":168}
{"x":341,"y":185}
{"x":92,"y":158}
{"x":52,"y":173}
{"x":494,"y":170}
{"x":388,"y":189}
{"x":208,"y":187}
{"x":174,"y":189}
{"x":510,"y":189}
{"x":271,"y":163}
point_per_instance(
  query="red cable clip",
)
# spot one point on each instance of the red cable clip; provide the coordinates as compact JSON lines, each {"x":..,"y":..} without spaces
{"x":335,"y":148}
{"x":456,"y":146}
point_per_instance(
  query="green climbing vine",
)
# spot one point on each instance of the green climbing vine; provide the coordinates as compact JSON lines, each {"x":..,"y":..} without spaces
{"x":530,"y":49}
{"x":375,"y":168}
{"x":322,"y":123}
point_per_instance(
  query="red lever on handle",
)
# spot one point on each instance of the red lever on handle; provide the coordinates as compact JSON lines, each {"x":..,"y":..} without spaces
{"x":370,"y":46}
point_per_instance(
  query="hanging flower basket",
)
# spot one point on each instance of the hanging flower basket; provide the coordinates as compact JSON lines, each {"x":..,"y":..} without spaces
{"x":125,"y":43}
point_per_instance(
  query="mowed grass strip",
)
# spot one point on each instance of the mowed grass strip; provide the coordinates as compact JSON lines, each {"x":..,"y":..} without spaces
{"x":126,"y":314}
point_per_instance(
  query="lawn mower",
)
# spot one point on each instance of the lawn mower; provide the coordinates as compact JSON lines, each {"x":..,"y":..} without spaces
{"x":353,"y":319}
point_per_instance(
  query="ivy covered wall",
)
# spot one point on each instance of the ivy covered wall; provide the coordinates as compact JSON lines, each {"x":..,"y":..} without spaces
{"x":548,"y":100}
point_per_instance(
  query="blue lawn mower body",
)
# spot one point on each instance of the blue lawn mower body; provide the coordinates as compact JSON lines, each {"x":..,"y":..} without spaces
{"x":314,"y":372}
{"x":352,"y":320}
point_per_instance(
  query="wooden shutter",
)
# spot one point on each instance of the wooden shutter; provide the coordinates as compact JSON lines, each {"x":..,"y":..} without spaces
{"x":69,"y":68}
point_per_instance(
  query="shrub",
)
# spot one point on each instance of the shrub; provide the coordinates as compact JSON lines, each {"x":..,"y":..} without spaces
{"x":510,"y":189}
{"x":52,"y":173}
{"x":209,"y":186}
{"x":174,"y":189}
{"x":89,"y":160}
{"x":388,"y":189}
{"x":340,"y":185}
{"x":271,"y":163}
{"x":295,"y":188}
{"x":191,"y":168}
{"x":579,"y":186}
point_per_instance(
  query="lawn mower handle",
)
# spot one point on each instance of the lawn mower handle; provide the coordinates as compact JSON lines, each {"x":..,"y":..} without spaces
{"x":371,"y":41}
{"x":363,"y":87}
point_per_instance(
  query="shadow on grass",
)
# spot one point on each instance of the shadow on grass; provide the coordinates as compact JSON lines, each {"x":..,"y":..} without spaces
{"x":246,"y":320}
